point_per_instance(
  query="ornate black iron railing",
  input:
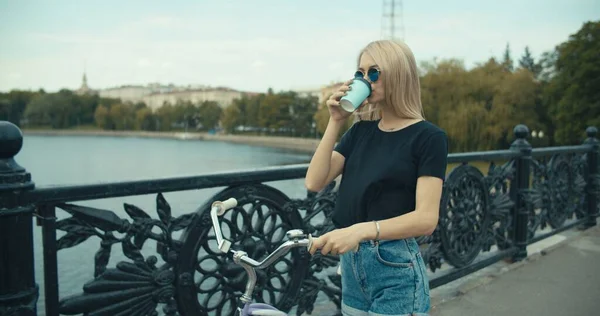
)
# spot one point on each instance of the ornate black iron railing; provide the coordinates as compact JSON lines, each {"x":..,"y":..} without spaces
{"x":527,"y":195}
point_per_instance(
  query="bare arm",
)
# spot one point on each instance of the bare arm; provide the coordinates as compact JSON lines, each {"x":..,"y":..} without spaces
{"x":421,"y":222}
{"x":325,"y":164}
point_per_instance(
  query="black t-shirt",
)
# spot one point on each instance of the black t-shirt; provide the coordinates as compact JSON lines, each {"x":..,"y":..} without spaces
{"x":379,"y":178}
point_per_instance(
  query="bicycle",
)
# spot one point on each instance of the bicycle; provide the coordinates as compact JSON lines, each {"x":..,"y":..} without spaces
{"x":296,"y":238}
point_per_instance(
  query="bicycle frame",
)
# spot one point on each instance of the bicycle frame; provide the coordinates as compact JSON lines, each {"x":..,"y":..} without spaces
{"x":296,"y":238}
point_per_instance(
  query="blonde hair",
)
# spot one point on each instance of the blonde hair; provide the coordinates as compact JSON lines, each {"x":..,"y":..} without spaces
{"x":400,"y":80}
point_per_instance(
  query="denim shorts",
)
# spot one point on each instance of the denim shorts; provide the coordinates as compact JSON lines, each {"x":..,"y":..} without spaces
{"x":385,"y":278}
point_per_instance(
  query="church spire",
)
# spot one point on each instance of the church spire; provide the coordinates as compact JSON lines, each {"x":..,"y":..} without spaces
{"x":84,"y":84}
{"x":84,"y":88}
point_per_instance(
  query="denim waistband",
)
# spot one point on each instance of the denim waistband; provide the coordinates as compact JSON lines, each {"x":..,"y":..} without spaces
{"x":411,"y":243}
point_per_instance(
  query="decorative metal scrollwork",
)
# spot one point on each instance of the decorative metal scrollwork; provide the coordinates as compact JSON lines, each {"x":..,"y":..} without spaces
{"x":258,"y":226}
{"x":135,"y":287}
{"x":464,"y":215}
{"x":195,"y":278}
{"x":498,"y":181}
{"x":578,"y":166}
{"x":559,"y":203}
{"x":551,"y":199}
{"x":580,"y":185}
{"x":469,"y":221}
{"x":431,"y":249}
{"x":316,"y":212}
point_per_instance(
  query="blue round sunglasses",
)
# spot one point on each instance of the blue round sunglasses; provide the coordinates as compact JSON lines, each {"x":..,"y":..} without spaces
{"x":372,"y":74}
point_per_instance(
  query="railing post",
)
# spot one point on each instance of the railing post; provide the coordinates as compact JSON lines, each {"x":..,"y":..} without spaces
{"x":592,"y":177}
{"x":18,"y":290}
{"x":518,"y":187}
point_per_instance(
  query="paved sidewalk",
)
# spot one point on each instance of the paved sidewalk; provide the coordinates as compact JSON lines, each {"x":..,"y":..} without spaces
{"x":564,"y":281}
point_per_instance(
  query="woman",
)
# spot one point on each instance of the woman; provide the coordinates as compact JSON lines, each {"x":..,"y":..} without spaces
{"x":393,"y":165}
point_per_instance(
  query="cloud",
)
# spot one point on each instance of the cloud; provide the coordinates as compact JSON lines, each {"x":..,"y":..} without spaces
{"x":258,"y":64}
{"x":335,"y":65}
{"x":144,"y":63}
{"x":162,"y":21}
{"x":73,"y":38}
{"x":291,"y":61}
{"x":139,"y":52}
{"x":235,"y":46}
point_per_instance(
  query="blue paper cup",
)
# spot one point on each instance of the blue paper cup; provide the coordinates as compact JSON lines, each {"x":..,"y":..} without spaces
{"x":359,"y":92}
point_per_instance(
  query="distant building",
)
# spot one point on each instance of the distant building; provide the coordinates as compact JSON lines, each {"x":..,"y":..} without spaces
{"x":321,"y":93}
{"x":223,"y":96}
{"x":84,"y":89}
{"x":310,"y":92}
{"x":126,"y":93}
{"x":154,"y":95}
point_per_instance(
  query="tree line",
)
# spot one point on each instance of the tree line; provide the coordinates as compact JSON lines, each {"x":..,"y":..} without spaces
{"x":283,"y":113}
{"x":557,"y":96}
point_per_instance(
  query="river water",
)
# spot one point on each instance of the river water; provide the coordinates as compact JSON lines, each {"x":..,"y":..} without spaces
{"x":73,"y":160}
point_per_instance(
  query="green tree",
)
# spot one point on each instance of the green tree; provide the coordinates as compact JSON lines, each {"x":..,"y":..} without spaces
{"x":210,"y":113}
{"x":230,"y":118}
{"x":507,"y":61}
{"x":185,"y":115}
{"x":38,"y":111}
{"x":165,"y":117}
{"x":516,"y":101}
{"x":321,"y":118}
{"x":122,"y":116}
{"x":574,"y":90}
{"x":13,"y":105}
{"x":276,"y":111}
{"x":144,"y":119}
{"x":546,"y":65}
{"x":443,"y":87}
{"x":478,"y":108}
{"x":528,"y":62}
{"x":251,"y":112}
{"x":50,"y":110}
{"x":101,"y":117}
{"x":302,"y":112}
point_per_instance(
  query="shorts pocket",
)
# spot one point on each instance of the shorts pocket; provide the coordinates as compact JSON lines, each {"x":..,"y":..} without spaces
{"x":423,"y":272}
{"x":393,"y":254}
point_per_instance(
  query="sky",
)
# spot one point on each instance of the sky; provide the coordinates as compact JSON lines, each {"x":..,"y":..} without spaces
{"x":259,"y":44}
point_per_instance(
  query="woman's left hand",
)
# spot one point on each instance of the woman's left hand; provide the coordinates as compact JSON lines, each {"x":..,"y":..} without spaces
{"x":337,"y":242}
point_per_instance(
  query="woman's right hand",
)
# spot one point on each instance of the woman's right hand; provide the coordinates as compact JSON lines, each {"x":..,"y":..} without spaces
{"x":336,"y":113}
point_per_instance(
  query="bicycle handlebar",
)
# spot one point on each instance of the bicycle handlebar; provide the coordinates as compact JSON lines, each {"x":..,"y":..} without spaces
{"x":296,"y":237}
{"x":219,"y":208}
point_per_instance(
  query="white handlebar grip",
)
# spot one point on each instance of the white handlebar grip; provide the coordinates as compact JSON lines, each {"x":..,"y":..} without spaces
{"x":229,"y":203}
{"x":224,"y":246}
{"x":225,"y":205}
{"x":310,"y":241}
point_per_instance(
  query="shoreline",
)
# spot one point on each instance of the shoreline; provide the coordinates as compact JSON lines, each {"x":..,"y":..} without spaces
{"x":303,"y":145}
